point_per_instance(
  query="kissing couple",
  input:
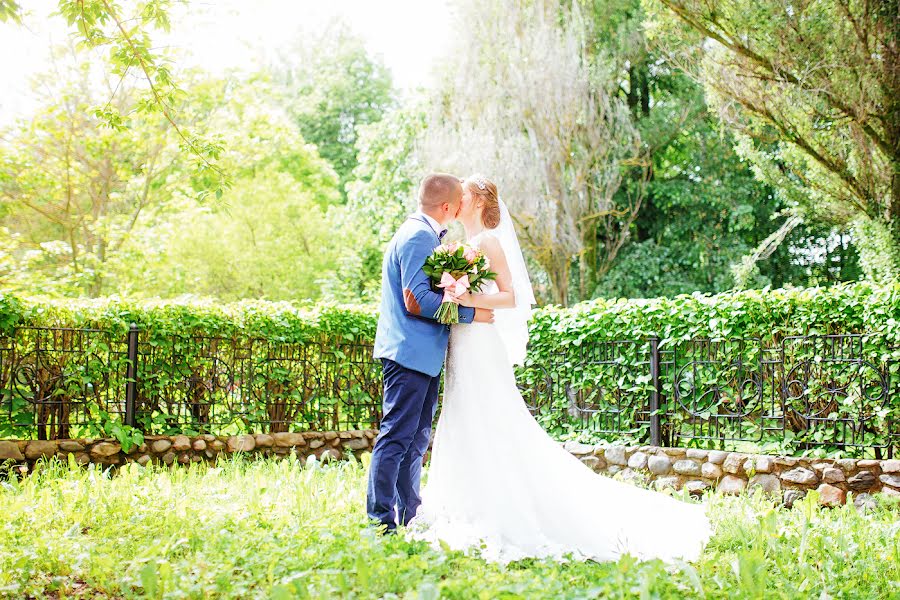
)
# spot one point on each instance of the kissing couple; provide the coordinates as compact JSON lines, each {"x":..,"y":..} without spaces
{"x":497,"y":482}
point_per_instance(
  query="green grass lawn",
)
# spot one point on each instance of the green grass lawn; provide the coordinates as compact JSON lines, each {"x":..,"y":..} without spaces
{"x":284,"y":529}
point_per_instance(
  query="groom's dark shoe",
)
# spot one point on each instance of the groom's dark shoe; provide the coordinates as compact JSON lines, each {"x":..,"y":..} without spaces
{"x":383,"y":528}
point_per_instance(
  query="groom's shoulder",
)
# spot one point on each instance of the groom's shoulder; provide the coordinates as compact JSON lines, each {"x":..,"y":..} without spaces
{"x":410,"y":228}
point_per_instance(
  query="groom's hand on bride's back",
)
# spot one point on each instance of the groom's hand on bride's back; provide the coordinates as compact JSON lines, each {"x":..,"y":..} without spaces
{"x":484,"y":315}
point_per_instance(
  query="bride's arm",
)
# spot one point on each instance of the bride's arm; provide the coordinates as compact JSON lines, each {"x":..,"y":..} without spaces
{"x":506,"y":297}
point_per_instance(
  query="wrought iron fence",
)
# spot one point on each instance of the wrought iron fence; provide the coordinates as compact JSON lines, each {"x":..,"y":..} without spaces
{"x":838,"y":392}
{"x":835,"y":392}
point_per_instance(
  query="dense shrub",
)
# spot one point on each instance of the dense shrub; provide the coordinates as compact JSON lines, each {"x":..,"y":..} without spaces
{"x":767,"y":314}
{"x":281,"y":366}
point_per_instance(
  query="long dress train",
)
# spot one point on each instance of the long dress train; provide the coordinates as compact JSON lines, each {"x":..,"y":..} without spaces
{"x":498,"y":482}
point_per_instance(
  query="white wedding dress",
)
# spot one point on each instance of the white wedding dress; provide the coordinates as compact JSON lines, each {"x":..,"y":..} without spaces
{"x":497,"y":482}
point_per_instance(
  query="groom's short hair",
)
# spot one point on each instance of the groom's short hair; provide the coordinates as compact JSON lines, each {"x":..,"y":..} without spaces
{"x":437,"y":189}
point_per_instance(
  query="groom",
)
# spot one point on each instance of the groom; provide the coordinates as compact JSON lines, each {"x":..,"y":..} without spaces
{"x":411,"y":346}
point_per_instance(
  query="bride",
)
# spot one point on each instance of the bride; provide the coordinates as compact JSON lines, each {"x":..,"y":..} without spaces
{"x":497,"y":481}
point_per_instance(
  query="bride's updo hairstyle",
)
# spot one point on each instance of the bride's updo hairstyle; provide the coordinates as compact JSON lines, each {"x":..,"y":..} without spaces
{"x":485,"y":190}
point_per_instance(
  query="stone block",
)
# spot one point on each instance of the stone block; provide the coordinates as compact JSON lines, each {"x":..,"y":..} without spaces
{"x":696,"y":487}
{"x":763,"y":464}
{"x":241,"y":443}
{"x":363,"y":444}
{"x":615,"y":455}
{"x":264,"y":440}
{"x":638,"y":460}
{"x":38,"y":448}
{"x":800,"y":476}
{"x":833,"y":475}
{"x":577,"y":448}
{"x":711,"y":470}
{"x":734,"y":463}
{"x":287,"y":439}
{"x":731,"y":484}
{"x":105,"y":449}
{"x":160,"y":446}
{"x":767,"y":482}
{"x":830,"y":495}
{"x":668,"y":482}
{"x":891,"y":480}
{"x":847,"y":465}
{"x":862,"y":481}
{"x":686,"y":467}
{"x":659,"y":465}
{"x":10,"y":451}
{"x":717,"y":457}
{"x":791,"y":496}
{"x":864,"y":502}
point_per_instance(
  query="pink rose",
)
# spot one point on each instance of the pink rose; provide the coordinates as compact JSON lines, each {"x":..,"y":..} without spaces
{"x":453,"y":247}
{"x":470,"y":254}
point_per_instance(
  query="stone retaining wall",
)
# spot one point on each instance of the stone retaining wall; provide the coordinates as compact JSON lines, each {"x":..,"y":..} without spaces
{"x":733,"y":472}
{"x":693,"y":470}
{"x":183,"y":449}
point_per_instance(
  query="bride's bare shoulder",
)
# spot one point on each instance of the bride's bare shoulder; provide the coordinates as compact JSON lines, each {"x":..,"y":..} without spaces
{"x":488,"y":242}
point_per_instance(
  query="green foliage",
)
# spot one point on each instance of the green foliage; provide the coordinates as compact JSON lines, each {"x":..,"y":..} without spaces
{"x":824,"y":137}
{"x":766,"y":314}
{"x":380,"y":197}
{"x":285,"y":529}
{"x":74,"y":190}
{"x":276,"y":321}
{"x":92,"y":209}
{"x":125,"y":31}
{"x":10,"y":10}
{"x":332,"y":87}
{"x":175,"y":330}
{"x":385,"y":180}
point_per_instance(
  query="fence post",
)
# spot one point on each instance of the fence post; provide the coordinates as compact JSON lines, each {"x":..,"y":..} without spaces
{"x":131,"y":375}
{"x":655,"y":392}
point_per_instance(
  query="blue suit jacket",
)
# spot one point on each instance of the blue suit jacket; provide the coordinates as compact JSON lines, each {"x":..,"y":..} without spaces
{"x":407,"y":332}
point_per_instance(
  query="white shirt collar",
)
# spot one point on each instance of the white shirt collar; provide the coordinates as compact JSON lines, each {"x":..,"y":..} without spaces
{"x":431,"y":221}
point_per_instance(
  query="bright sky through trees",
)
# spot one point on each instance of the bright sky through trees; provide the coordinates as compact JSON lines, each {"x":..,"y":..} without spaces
{"x":223,"y":34}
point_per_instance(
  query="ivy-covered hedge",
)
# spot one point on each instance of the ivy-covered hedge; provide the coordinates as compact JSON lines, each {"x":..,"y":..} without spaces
{"x":275,"y":321}
{"x":286,"y":367}
{"x":767,"y":314}
{"x":770,"y":315}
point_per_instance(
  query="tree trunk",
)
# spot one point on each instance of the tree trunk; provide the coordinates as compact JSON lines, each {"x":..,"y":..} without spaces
{"x":559,"y":277}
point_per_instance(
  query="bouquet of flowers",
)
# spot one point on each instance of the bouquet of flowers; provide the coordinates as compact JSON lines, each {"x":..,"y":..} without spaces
{"x":456,"y":268}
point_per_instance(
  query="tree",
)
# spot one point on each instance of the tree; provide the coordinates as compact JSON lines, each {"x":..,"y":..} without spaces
{"x":273,"y":242}
{"x":92,"y":210}
{"x":530,"y":106}
{"x":332,"y":87}
{"x":73,"y":189}
{"x":272,"y":233}
{"x":126,"y":32}
{"x":380,"y":197}
{"x":813,"y":93}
